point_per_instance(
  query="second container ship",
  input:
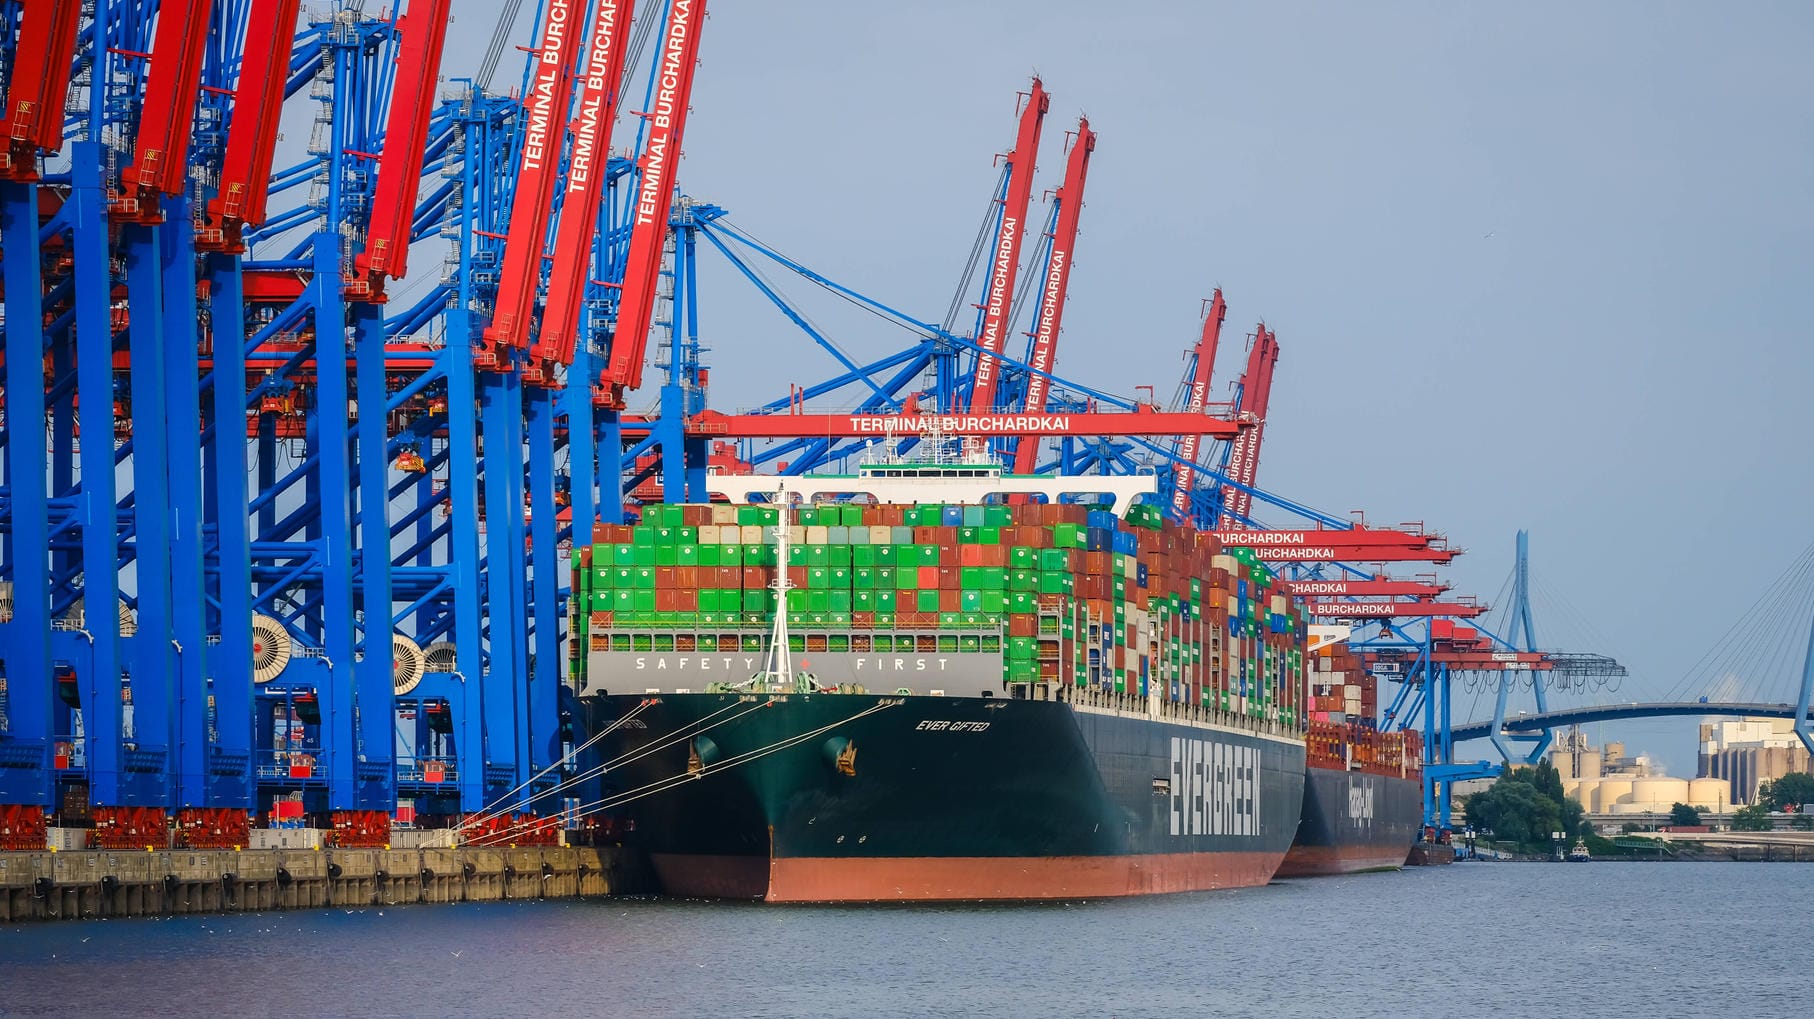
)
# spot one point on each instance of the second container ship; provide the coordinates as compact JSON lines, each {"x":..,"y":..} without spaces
{"x":1363,"y":788}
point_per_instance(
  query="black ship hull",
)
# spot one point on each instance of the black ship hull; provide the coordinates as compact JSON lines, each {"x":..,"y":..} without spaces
{"x":1354,"y":821}
{"x":862,"y":798}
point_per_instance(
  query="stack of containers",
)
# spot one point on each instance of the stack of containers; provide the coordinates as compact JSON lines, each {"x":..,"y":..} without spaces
{"x":1138,"y":605}
{"x":1343,"y":699}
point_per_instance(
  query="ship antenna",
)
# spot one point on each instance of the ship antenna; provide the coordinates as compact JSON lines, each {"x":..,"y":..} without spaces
{"x":780,"y":666}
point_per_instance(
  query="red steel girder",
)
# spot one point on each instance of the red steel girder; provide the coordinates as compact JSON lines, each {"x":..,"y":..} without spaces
{"x":1199,"y":398}
{"x":1354,"y":536}
{"x":39,"y":82}
{"x":423,"y":29}
{"x":1358,"y":587}
{"x":654,"y":196}
{"x":1472,"y":661}
{"x":1058,"y":284}
{"x":1392,"y":609}
{"x":245,"y":174}
{"x":544,"y":112}
{"x":167,"y":111}
{"x":1010,"y":237}
{"x":1256,"y":395}
{"x":838,"y":426}
{"x":1318,"y":553}
{"x":596,"y":111}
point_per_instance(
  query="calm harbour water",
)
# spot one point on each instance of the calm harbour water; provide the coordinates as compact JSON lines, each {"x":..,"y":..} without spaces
{"x":1504,"y":940}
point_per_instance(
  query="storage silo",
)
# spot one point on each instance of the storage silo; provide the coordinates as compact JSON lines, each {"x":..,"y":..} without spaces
{"x":1609,"y":793}
{"x":1659,"y":792}
{"x":1712,"y":794}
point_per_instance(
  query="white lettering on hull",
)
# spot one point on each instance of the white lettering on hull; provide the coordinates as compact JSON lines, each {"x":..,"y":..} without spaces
{"x":1215,"y":788}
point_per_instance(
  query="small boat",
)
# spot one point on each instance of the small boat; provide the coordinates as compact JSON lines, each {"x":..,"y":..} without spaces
{"x":1579,"y":854}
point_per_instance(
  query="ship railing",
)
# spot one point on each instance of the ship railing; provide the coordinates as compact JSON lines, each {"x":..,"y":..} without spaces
{"x":1135,"y":705}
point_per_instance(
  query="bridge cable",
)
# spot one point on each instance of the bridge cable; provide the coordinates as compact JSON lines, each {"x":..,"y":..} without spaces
{"x":1716,"y":673}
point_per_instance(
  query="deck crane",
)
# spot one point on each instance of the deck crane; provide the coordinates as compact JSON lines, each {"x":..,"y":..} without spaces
{"x":385,"y":256}
{"x":160,"y":159}
{"x":1202,"y":371}
{"x":38,"y":85}
{"x":1069,"y":199}
{"x":654,"y":196}
{"x":1243,"y":463}
{"x":1009,"y":237}
{"x":538,"y":166}
{"x":595,"y":112}
{"x":245,"y":175}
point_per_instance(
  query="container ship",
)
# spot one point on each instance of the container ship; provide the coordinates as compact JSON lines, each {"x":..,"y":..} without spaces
{"x":1363,"y":788}
{"x":932,"y":697}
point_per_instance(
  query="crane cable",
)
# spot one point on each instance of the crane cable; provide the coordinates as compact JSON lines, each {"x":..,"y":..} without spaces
{"x":639,"y":753}
{"x":500,"y":38}
{"x":490,"y":810}
{"x":626,"y":758}
{"x":669,"y":782}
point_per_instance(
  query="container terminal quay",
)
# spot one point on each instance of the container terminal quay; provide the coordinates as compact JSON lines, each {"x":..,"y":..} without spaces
{"x":429,"y":384}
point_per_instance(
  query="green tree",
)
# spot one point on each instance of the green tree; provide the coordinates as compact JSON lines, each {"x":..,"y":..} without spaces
{"x":1684,"y":816}
{"x":1756,"y":817}
{"x":1525,"y":806}
{"x":1788,"y":792}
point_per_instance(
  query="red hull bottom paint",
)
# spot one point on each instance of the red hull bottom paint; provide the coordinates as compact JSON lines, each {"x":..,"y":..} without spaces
{"x":1322,"y":861}
{"x":946,"y":879}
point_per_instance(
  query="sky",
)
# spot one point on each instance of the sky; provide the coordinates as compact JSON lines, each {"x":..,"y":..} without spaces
{"x":1532,"y":266}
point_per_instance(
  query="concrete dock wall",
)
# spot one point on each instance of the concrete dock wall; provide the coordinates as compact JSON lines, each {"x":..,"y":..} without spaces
{"x":91,"y":884}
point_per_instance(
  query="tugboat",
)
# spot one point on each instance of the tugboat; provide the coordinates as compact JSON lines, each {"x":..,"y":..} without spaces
{"x":1579,"y":854}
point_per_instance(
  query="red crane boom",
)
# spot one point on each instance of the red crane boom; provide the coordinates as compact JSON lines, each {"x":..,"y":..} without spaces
{"x":788,"y":426}
{"x":1256,"y":393}
{"x":1358,"y":587}
{"x":667,"y":121}
{"x":544,"y":112}
{"x":386,"y":252}
{"x":1392,"y":609}
{"x":1058,"y":281}
{"x":1336,"y":537}
{"x":1199,"y":398}
{"x":1008,"y":239}
{"x":245,"y":173}
{"x":40,"y":81}
{"x":173,"y":82}
{"x":592,"y":122}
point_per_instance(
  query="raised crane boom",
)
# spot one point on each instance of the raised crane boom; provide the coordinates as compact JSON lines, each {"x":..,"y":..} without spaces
{"x":386,"y":254}
{"x":1058,"y":281}
{"x":160,"y":159}
{"x":40,"y":80}
{"x":1244,"y":454}
{"x":1202,"y":372}
{"x":245,"y":175}
{"x":544,"y":111}
{"x":654,"y":195}
{"x":999,"y":301}
{"x":592,"y":122}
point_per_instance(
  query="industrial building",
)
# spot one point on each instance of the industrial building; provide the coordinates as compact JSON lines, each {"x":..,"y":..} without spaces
{"x":1605,"y":780}
{"x":1748,"y":752}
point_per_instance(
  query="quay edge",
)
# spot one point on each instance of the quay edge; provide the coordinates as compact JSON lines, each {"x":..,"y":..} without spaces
{"x":106,"y":884}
